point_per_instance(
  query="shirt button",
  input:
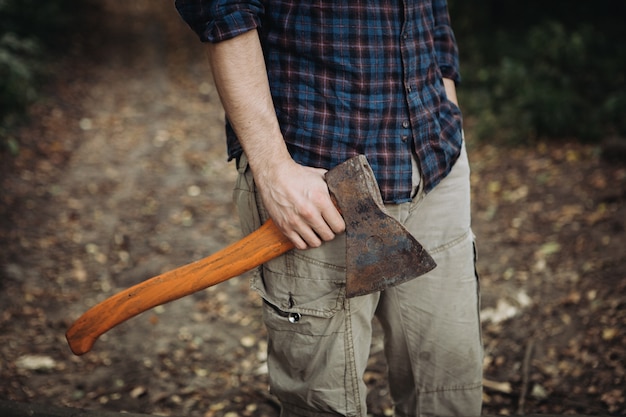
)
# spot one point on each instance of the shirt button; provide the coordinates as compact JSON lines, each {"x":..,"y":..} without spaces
{"x":405,"y":124}
{"x":404,"y":138}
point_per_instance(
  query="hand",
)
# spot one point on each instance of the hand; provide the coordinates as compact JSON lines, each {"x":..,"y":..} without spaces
{"x":297,"y":199}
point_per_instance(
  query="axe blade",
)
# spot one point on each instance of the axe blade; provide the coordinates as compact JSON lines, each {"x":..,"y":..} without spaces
{"x":380,"y":252}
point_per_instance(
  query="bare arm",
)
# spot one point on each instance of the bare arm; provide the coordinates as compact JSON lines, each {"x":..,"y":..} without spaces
{"x":296,"y":197}
{"x":450,"y":88}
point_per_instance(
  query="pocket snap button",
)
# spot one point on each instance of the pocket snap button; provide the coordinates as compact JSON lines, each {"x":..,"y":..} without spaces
{"x":294,"y":317}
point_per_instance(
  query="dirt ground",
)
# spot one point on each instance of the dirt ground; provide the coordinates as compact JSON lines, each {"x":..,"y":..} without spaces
{"x":122,"y":175}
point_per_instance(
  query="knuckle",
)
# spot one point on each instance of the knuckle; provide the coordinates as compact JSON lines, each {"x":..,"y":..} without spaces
{"x":307,"y":213}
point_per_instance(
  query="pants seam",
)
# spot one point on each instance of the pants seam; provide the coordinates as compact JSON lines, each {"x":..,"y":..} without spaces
{"x":350,"y":362}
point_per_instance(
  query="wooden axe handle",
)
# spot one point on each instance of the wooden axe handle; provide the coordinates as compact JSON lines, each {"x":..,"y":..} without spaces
{"x":260,"y":246}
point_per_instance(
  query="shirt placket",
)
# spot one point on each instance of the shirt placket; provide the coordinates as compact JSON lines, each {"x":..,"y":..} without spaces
{"x":409,"y":64}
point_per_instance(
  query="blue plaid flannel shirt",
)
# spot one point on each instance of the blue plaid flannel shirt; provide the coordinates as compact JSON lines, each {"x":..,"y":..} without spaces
{"x":352,"y":77}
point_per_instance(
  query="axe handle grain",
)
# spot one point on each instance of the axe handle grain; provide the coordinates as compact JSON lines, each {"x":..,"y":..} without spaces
{"x":262,"y":245}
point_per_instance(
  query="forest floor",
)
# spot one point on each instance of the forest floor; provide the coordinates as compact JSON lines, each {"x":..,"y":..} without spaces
{"x":122,"y":175}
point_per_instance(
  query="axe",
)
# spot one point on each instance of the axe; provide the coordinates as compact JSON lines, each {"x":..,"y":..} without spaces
{"x":380,"y":253}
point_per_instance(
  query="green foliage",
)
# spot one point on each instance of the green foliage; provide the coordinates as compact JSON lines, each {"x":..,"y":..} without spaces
{"x":550,"y":72}
{"x":17,"y":70}
{"x":28,"y":31}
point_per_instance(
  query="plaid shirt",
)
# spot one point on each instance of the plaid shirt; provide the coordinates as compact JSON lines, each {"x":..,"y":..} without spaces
{"x":352,"y":77}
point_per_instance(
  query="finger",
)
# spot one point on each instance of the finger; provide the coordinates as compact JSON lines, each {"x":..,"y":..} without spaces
{"x":323,"y":231}
{"x":297,"y":240}
{"x":304,"y":236}
{"x":330,"y":212}
{"x":334,"y":220}
{"x":310,"y":239}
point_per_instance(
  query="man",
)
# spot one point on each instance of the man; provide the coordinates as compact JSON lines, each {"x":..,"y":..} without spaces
{"x":305,"y":86}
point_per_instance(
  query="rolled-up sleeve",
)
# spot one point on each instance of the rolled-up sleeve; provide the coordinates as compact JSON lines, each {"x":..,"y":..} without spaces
{"x":445,"y":43}
{"x":219,"y":20}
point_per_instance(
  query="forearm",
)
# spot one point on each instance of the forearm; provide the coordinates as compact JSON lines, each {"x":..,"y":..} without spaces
{"x":240,"y":76}
{"x":450,"y":88}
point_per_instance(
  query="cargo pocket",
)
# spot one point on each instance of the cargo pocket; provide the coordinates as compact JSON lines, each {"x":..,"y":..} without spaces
{"x":304,"y":312}
{"x":307,"y":363}
{"x":310,"y":282}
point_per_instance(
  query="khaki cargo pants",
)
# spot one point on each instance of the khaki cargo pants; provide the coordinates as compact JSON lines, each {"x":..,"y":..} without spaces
{"x":319,"y":341}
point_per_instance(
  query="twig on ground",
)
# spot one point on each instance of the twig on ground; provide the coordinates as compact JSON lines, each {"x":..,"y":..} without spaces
{"x":525,"y":371}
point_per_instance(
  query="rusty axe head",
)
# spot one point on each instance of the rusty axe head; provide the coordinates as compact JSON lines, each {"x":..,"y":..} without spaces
{"x":380,"y":252}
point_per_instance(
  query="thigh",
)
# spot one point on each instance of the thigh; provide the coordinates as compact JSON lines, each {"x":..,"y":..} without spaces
{"x":432,"y":326}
